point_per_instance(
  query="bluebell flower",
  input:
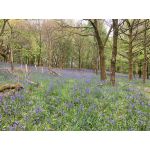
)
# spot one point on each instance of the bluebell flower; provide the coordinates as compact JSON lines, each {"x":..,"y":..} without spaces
{"x":87,"y":90}
{"x":13,"y":98}
{"x":1,"y":98}
{"x":11,"y":128}
{"x":81,"y":108}
{"x":132,"y":105}
{"x":69,"y":105}
{"x":62,"y":112}
{"x":88,"y":81}
{"x":76,"y":100}
{"x":21,"y":97}
{"x":15,"y":124}
{"x":38,"y":110}
{"x":142,"y":103}
{"x":112,"y":121}
{"x":101,"y":115}
{"x":0,"y":116}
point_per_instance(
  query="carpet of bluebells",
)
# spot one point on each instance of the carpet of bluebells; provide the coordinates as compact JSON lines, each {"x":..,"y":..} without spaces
{"x":76,"y":101}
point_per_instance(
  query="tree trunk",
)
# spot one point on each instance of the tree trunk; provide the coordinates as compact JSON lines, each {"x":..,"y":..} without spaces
{"x":101,"y":51}
{"x":11,"y":59}
{"x":40,"y":45}
{"x":130,"y":56}
{"x":79,"y":58}
{"x":145,"y":57}
{"x":139,"y":70}
{"x":147,"y":71}
{"x":102,"y":63}
{"x":97,"y":63}
{"x":114,"y":51}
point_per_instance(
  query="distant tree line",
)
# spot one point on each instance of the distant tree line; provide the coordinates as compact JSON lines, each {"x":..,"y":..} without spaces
{"x":117,"y":45}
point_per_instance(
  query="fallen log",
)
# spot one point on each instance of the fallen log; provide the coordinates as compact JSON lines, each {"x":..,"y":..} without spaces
{"x":16,"y":86}
{"x":32,"y":83}
{"x":8,"y":93}
{"x":54,"y":73}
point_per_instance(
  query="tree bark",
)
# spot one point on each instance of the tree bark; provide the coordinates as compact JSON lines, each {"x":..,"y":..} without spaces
{"x":147,"y":71}
{"x":11,"y":59}
{"x":139,"y":70}
{"x":101,"y":47}
{"x":114,"y":51}
{"x":10,"y":86}
{"x":40,"y":45}
{"x":145,"y":57}
{"x":79,"y":58}
{"x":130,"y":55}
{"x":101,"y":51}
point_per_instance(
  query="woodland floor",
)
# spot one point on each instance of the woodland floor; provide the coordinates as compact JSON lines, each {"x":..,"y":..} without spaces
{"x":74,"y":100}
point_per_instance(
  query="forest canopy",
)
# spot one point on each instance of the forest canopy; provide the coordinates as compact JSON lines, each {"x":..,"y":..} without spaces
{"x":112,"y":45}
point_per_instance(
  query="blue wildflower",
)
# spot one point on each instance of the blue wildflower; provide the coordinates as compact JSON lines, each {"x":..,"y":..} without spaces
{"x":87,"y":90}
{"x":16,"y":123}
{"x":1,"y":98}
{"x":81,"y":108}
{"x":21,"y":97}
{"x":142,"y":103}
{"x":38,"y":110}
{"x":132,"y":105}
{"x":0,"y":116}
{"x":13,"y":98}
{"x":88,"y":81}
{"x":76,"y":100}
{"x":101,"y":115}
{"x":112,"y":121}
{"x":11,"y":128}
{"x":62,"y":112}
{"x":69,"y":105}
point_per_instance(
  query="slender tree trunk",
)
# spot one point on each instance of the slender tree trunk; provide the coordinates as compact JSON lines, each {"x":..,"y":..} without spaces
{"x":49,"y":51}
{"x":11,"y":59}
{"x":102,"y":63}
{"x":139,"y":70}
{"x":130,"y":56}
{"x":97,"y":63}
{"x":79,"y":58}
{"x":40,"y":45}
{"x":145,"y":57}
{"x":114,"y":51}
{"x":147,"y":71}
{"x":72,"y":63}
